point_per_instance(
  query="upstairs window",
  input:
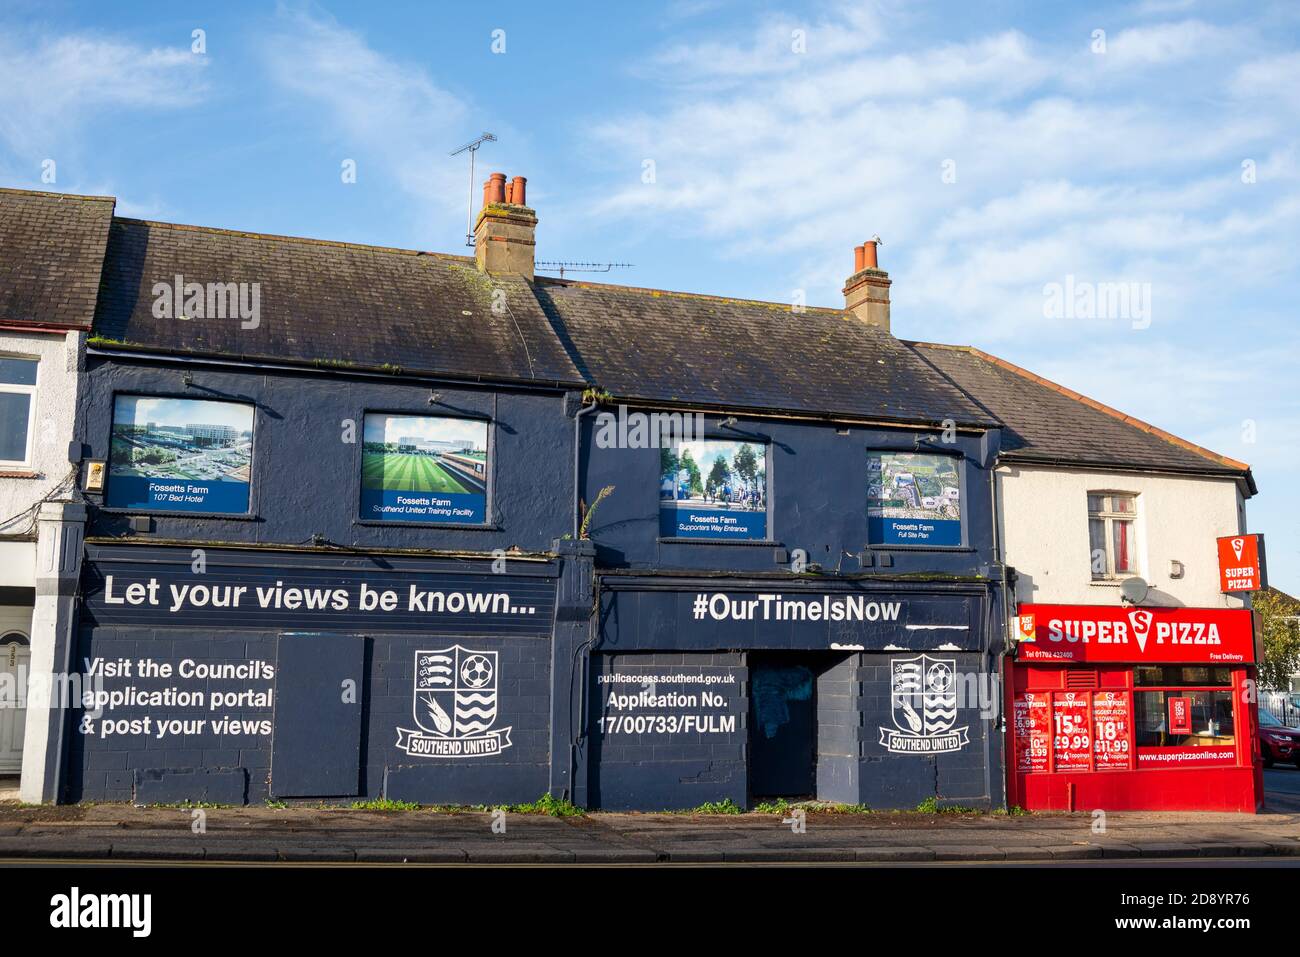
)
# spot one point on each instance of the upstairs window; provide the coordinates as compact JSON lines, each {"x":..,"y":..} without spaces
{"x":1112,"y":538}
{"x":17,"y":409}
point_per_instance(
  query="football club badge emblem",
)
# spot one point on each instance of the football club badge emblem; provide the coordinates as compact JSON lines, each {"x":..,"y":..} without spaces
{"x":923,"y":698}
{"x":454,"y":705}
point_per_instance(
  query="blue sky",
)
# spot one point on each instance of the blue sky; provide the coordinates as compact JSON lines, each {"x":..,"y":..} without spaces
{"x":997,"y":148}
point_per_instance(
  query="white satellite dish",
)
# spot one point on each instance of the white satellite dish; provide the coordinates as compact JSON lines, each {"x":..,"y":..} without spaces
{"x":1134,"y":590}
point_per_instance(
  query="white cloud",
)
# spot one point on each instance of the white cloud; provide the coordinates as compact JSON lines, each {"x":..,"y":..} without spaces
{"x":50,"y":87}
{"x":380,"y":110}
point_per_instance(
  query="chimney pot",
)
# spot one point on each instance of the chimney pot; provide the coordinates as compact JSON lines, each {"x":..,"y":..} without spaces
{"x":505,"y":233}
{"x":866,"y":294}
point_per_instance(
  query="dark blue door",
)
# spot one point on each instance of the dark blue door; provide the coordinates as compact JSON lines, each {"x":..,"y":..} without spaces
{"x":782,"y":728}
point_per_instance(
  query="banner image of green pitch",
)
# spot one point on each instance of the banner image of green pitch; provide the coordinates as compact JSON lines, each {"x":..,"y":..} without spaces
{"x":424,"y":468}
{"x":713,"y":489}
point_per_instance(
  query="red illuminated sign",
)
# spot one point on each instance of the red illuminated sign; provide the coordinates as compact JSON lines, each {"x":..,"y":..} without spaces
{"x":1091,"y":633}
{"x":1180,"y":715}
{"x":1241,"y":563}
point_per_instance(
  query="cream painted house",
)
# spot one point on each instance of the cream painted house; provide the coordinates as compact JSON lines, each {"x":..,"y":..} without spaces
{"x":1088,"y":496}
{"x":51,"y":255}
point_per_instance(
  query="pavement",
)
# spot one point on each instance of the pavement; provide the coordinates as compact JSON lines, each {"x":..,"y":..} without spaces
{"x":116,"y":832}
{"x":302,"y":834}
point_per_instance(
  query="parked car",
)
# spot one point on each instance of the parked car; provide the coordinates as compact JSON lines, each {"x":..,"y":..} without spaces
{"x":1277,"y":742}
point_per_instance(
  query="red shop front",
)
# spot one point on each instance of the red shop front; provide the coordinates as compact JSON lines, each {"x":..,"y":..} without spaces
{"x":1124,"y":708}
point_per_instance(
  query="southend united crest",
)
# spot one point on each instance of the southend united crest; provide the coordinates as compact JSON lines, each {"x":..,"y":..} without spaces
{"x":923,"y":697}
{"x":454,"y":705}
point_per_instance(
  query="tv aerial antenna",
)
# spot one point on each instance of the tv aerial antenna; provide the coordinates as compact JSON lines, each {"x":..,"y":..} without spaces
{"x":563,"y":266}
{"x":472,"y":148}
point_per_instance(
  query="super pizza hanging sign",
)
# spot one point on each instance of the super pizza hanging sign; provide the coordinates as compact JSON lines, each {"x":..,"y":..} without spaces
{"x":1241,"y":563}
{"x":1093,"y":633}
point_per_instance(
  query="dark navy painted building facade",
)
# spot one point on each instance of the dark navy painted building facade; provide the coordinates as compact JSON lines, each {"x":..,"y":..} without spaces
{"x":745,"y":670}
{"x":282,"y":647}
{"x":568,"y":632}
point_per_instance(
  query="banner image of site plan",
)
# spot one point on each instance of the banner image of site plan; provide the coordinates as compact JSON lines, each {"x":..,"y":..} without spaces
{"x":424,"y":468}
{"x":180,"y":455}
{"x":713,"y":489}
{"x":913,"y":499}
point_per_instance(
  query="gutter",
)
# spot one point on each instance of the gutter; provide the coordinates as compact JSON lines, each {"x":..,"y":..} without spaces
{"x":125,"y":351}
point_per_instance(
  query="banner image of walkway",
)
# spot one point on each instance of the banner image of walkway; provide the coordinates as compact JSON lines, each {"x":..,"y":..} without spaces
{"x":713,"y":489}
{"x":424,"y":468}
{"x":181,"y":455}
{"x":913,"y":499}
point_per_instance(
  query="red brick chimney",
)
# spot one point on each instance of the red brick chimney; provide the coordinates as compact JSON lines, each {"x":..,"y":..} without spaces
{"x":866,"y":293}
{"x":505,"y":231}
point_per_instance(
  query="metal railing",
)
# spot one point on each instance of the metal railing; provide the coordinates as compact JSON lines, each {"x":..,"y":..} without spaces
{"x":1281,"y":705}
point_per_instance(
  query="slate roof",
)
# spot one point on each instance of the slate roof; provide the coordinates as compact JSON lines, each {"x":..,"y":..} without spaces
{"x":331,"y":304}
{"x":51,"y":248}
{"x":1046,"y":423}
{"x":346,"y":305}
{"x":714,"y":352}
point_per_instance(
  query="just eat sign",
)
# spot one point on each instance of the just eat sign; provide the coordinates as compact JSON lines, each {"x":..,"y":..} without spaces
{"x":1241,"y":563}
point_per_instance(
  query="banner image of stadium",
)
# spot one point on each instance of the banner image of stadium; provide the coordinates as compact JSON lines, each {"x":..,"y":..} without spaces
{"x":180,"y":455}
{"x":913,"y":499}
{"x":424,"y":468}
{"x":713,"y":489}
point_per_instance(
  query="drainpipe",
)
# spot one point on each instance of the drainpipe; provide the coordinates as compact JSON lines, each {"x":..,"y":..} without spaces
{"x":1000,"y":561}
{"x":577,"y":459}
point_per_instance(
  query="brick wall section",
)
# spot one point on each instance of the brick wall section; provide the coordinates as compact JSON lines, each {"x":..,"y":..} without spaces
{"x":516,"y":775}
{"x":890,"y":780}
{"x":123,"y":768}
{"x":649,"y":768}
{"x":839,"y":731}
{"x":106,"y":769}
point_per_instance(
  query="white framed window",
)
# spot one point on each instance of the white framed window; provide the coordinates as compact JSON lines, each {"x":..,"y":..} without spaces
{"x":1112,"y":534}
{"x":17,"y":409}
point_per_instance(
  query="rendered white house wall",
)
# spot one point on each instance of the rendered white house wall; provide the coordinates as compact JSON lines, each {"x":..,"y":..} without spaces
{"x":1043,"y":525}
{"x":60,"y":357}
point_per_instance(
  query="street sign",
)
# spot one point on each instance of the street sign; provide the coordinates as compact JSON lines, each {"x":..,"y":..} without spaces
{"x":1241,"y":563}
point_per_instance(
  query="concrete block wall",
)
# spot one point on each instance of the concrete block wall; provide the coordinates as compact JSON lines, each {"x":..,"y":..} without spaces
{"x":637,"y":763}
{"x":891,"y":780}
{"x":517,"y":774}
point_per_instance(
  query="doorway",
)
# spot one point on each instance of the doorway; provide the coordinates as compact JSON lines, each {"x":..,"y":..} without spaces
{"x":782,"y":725}
{"x":15,"y":653}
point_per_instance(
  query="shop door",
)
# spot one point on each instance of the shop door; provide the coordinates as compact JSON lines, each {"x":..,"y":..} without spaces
{"x":13,"y":721}
{"x":782,"y":726}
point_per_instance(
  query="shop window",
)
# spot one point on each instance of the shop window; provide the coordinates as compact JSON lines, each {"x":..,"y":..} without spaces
{"x":17,"y":409}
{"x":914,"y":499}
{"x":1112,"y":534}
{"x":714,"y":490}
{"x":180,"y":455}
{"x":1181,"y":676}
{"x":424,"y":468}
{"x":1184,"y":719}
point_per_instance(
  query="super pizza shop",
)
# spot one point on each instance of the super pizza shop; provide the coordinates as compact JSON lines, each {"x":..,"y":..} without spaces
{"x":706,"y":690}
{"x":238,"y":675}
{"x":1133,"y":708}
